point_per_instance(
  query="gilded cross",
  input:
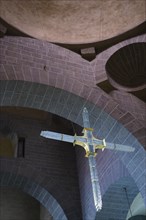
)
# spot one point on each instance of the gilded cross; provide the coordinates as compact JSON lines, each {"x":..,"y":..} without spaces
{"x":90,"y":144}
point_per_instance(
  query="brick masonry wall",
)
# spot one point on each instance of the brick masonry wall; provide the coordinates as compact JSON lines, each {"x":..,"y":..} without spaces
{"x":42,"y":62}
{"x":55,"y":162}
{"x":130,"y":103}
{"x":34,"y":60}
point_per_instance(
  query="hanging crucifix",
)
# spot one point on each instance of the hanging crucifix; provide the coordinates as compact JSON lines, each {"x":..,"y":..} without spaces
{"x":90,"y":144}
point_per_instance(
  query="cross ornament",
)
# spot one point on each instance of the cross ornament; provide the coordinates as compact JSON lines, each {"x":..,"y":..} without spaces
{"x":91,"y":145}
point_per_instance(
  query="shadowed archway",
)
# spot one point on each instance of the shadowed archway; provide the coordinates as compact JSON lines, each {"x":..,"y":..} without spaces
{"x":35,"y":190}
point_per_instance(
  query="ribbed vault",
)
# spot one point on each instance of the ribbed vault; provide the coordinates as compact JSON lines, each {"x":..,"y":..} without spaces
{"x":127,"y":66}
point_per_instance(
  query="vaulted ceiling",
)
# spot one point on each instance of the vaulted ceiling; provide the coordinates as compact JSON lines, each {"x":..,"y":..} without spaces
{"x":73,"y":22}
{"x":127,"y":66}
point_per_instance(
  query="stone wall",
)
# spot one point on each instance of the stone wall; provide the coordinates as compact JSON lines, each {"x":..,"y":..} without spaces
{"x":54,"y":161}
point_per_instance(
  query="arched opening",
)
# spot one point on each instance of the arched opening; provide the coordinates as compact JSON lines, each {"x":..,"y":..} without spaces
{"x":14,"y":203}
{"x":22,"y":203}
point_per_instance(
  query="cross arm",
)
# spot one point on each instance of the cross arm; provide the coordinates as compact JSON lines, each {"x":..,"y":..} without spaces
{"x":63,"y":137}
{"x":57,"y":136}
{"x":119,"y":147}
{"x":102,"y":144}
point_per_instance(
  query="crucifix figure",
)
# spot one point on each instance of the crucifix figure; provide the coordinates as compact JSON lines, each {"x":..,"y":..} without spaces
{"x":90,"y":144}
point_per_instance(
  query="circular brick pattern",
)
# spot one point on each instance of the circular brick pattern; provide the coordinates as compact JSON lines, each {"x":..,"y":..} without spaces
{"x":101,"y":59}
{"x":126,"y":67}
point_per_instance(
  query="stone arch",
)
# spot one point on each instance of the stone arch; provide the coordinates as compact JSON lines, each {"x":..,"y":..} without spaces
{"x":35,"y":190}
{"x":69,"y":106}
{"x":32,"y":60}
{"x":42,"y":62}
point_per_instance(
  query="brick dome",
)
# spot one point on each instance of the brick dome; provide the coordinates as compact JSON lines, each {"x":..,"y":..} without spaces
{"x":126,"y":67}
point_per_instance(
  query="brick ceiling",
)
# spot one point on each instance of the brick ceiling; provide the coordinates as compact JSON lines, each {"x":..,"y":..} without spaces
{"x":127,"y":66}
